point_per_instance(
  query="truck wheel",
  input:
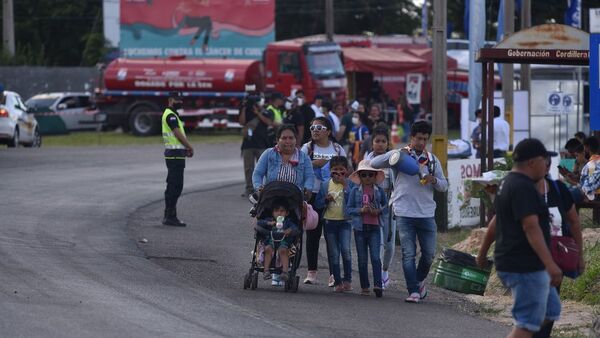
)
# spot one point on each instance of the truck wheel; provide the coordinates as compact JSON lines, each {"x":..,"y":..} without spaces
{"x":144,"y":122}
{"x":14,"y":142}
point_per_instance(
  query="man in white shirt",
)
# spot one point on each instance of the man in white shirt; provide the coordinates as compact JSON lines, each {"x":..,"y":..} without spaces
{"x":316,"y":107}
{"x":501,"y":134}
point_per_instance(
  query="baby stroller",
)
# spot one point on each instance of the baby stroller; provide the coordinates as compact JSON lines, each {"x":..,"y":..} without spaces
{"x":273,"y":192}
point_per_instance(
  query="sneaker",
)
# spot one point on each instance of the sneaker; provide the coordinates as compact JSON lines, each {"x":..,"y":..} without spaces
{"x":266,"y":275}
{"x":275,"y":280}
{"x":414,"y":297}
{"x":365,"y":292}
{"x":339,"y":288}
{"x":378,"y":292}
{"x":311,"y":277}
{"x":385,"y":279}
{"x":284,"y":276}
{"x":422,"y":290}
{"x":347,"y":286}
{"x":331,"y":282}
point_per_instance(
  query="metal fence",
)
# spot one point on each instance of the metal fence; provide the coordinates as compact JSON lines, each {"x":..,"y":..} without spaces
{"x":29,"y":80}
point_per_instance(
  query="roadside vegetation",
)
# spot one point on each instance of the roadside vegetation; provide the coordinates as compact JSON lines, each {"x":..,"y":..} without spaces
{"x":115,"y":139}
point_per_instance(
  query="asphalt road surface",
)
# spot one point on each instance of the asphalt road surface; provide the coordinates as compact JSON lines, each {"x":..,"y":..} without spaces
{"x":71,"y":264}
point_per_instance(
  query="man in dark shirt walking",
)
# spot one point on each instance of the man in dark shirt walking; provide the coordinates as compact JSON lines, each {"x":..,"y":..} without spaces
{"x":522,"y":254}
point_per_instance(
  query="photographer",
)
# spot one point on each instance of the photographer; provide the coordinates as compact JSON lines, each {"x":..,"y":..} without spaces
{"x":254,"y":121}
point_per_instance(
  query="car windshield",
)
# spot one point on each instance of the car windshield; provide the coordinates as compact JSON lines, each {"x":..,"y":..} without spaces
{"x":325,"y":65}
{"x":45,"y":102}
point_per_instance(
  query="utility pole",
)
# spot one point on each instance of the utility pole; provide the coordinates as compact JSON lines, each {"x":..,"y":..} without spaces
{"x":329,"y":19}
{"x":507,"y":68}
{"x":439,"y":139}
{"x":525,"y":23}
{"x":8,"y":27}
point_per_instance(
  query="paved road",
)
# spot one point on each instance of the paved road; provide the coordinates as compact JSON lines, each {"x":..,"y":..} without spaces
{"x":70,"y":265}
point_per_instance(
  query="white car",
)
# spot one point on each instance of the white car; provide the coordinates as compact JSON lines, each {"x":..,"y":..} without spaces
{"x":74,"y":108}
{"x":16,"y":125}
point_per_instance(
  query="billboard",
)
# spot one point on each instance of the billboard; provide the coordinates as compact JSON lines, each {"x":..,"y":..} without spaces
{"x":238,"y":29}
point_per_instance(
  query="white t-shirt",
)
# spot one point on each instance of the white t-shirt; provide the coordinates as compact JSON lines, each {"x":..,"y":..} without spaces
{"x":317,"y":110}
{"x":320,"y":153}
{"x":336,"y":122}
{"x":501,"y":134}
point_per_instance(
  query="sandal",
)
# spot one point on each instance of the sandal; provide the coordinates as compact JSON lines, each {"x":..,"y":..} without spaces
{"x":365,"y":292}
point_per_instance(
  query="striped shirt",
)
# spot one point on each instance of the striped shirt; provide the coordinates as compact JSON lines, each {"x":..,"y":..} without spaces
{"x":287,"y":173}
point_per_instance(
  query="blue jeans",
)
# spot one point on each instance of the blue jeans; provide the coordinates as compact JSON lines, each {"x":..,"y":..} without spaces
{"x":368,"y":242}
{"x":534,"y":298}
{"x":411,"y":229}
{"x":339,"y":235}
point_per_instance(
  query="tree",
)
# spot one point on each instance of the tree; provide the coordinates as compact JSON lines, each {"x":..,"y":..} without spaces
{"x":306,"y":17}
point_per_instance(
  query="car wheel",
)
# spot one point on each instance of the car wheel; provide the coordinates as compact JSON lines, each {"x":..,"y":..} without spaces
{"x":15,"y":140}
{"x":37,"y":140}
{"x":143,"y":122}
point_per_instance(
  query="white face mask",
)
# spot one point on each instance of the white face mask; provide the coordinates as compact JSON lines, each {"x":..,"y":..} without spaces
{"x":261,"y":102}
{"x":355,"y":120}
{"x":288,"y":105}
{"x":300,"y":101}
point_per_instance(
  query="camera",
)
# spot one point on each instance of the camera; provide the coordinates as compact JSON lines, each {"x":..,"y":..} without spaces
{"x":252,"y":97}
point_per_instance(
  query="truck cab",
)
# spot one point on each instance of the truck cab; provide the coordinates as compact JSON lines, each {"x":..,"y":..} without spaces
{"x":314,"y":67}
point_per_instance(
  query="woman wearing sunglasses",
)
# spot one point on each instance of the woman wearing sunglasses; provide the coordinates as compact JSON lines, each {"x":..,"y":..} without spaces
{"x":320,"y":149}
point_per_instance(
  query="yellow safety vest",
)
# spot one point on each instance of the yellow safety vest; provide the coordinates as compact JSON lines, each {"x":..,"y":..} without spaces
{"x":173,"y":148}
{"x":277,"y":114}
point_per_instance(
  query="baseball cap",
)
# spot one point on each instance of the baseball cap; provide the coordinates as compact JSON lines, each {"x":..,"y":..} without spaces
{"x":175,"y":95}
{"x":277,"y":95}
{"x":529,"y":148}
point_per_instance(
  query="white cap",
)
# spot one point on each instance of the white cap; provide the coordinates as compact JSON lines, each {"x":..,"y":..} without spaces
{"x":354,"y":105}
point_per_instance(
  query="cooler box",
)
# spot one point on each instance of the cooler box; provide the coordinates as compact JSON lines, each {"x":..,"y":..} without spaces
{"x":457,"y":271}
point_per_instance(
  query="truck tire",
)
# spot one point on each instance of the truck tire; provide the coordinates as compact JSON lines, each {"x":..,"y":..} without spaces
{"x":14,"y":142}
{"x":143,"y":121}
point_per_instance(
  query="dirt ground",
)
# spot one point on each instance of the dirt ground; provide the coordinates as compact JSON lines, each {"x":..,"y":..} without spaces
{"x":575,"y":317}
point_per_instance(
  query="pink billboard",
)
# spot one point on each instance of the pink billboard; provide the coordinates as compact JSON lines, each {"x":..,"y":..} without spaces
{"x":196,"y":28}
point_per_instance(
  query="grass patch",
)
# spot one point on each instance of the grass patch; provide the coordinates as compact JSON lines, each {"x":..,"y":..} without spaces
{"x":114,"y":138}
{"x":586,"y":288}
{"x":449,"y":238}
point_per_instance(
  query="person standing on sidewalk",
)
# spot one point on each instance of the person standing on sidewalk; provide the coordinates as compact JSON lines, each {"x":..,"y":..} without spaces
{"x":255,"y":122}
{"x":522,"y":255}
{"x":177,"y":148}
{"x":414,"y":208}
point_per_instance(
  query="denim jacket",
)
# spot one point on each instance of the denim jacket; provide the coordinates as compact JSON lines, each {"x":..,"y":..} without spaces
{"x":268,"y":166}
{"x":321,"y":203}
{"x":354,"y":205}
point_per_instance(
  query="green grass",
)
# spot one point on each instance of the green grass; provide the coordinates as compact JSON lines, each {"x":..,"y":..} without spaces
{"x":115,"y":139}
{"x":449,"y":238}
{"x":586,"y":288}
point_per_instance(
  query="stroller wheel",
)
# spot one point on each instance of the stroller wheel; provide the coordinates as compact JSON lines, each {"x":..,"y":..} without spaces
{"x":254,"y":283}
{"x":247,"y":281}
{"x":296,"y":284}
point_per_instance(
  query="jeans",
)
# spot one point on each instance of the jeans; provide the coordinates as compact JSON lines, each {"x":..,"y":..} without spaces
{"x":534,"y":298}
{"x":339,"y":235}
{"x":368,"y":242}
{"x":411,"y":229}
{"x":388,"y":248}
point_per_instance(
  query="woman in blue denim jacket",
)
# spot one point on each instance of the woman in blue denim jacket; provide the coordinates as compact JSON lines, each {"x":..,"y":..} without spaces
{"x":284,"y":162}
{"x":368,"y":208}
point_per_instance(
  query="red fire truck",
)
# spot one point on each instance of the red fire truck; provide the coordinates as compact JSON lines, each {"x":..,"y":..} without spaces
{"x":133,"y":91}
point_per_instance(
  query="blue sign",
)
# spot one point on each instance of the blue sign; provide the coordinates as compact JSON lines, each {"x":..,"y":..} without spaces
{"x":554,"y":99}
{"x":594,"y":84}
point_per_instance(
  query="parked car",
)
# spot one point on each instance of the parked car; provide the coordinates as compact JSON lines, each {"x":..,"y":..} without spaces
{"x":17,"y":126}
{"x":74,"y":111}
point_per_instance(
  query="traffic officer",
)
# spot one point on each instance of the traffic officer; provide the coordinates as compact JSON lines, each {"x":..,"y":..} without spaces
{"x":275,"y":109}
{"x":177,"y":148}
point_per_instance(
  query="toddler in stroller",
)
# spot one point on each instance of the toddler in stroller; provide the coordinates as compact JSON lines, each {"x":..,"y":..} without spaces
{"x":282,"y":229}
{"x":278,"y":234}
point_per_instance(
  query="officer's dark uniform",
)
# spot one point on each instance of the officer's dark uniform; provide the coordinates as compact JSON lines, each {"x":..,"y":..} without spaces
{"x":175,"y":153}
